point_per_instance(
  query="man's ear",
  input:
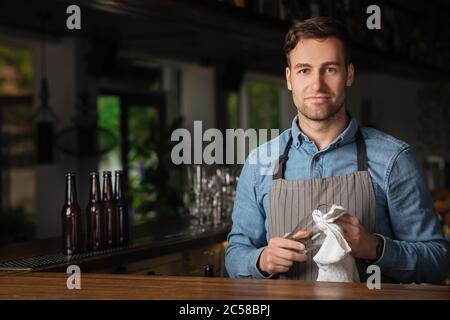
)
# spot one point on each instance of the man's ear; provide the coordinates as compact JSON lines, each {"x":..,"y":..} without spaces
{"x":350,"y":75}
{"x":288,"y":78}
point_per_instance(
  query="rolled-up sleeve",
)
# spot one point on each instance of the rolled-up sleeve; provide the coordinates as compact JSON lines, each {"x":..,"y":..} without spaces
{"x":248,"y":234}
{"x":418,"y":251}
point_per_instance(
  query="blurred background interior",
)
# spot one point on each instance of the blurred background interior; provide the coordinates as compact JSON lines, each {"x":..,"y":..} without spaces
{"x":108,"y":97}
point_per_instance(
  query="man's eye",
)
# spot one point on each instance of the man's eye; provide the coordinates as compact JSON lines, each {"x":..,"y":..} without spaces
{"x":331,"y":69}
{"x":304,"y":71}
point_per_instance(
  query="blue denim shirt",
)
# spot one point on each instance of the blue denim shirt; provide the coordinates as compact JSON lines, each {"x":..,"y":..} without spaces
{"x":415,"y":249}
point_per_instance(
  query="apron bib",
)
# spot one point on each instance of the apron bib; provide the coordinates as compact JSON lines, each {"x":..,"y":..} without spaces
{"x":293,"y":200}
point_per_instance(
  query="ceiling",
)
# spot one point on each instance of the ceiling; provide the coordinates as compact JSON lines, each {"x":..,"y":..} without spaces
{"x":206,"y":32}
{"x":196,"y":31}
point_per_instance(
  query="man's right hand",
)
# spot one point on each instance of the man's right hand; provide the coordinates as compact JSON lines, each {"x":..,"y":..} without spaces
{"x":281,"y":253}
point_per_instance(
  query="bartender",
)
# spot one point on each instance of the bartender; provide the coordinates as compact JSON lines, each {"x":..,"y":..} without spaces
{"x":326,"y":157}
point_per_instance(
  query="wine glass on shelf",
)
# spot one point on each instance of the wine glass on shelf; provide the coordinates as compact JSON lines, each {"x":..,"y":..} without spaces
{"x":195,"y":200}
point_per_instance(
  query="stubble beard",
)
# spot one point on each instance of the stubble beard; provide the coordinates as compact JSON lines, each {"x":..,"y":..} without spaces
{"x":330,"y":111}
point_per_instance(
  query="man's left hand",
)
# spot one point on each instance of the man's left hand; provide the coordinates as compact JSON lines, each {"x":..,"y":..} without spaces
{"x":363,"y":243}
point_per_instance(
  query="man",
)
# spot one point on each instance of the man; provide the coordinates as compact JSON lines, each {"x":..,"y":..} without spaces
{"x":325,"y":158}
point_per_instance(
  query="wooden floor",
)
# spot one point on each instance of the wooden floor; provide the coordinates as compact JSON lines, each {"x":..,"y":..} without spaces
{"x":23,"y":285}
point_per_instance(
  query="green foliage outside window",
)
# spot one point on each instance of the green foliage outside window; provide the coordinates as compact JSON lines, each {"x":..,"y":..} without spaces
{"x":108,"y":111}
{"x":265,"y":106}
{"x":16,"y":71}
{"x":157,"y":185}
{"x":17,"y":212}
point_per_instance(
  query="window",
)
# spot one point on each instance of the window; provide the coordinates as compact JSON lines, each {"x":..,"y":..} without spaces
{"x":265,"y":104}
{"x":143,"y":159}
{"x":232,"y":109}
{"x":142,"y":150}
{"x":108,"y":111}
{"x":17,"y":173}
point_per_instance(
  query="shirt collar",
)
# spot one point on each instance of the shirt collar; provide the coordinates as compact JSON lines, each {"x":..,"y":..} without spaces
{"x":346,"y":136}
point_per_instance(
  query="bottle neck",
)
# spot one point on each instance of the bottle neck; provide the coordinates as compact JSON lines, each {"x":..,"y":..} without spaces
{"x":71,"y":191}
{"x":107,"y":188}
{"x":94,"y":194}
{"x":118,"y":187}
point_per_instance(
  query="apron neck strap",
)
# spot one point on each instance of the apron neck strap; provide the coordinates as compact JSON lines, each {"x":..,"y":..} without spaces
{"x":360,"y":150}
{"x":279,"y":169}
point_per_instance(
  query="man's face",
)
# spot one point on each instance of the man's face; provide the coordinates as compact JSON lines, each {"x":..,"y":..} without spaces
{"x":317,"y":77}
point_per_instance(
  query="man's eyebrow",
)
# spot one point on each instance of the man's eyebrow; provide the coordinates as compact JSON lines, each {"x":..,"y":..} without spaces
{"x":302,"y":65}
{"x":331,"y":63}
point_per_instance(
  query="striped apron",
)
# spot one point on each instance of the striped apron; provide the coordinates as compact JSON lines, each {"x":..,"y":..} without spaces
{"x":293,"y":200}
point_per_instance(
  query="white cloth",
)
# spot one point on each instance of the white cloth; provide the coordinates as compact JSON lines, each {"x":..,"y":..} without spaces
{"x":333,"y":259}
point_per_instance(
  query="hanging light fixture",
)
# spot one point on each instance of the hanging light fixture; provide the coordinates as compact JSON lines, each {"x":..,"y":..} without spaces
{"x":44,"y":117}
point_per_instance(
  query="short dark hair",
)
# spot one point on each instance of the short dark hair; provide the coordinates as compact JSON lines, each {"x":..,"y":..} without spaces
{"x":317,"y":28}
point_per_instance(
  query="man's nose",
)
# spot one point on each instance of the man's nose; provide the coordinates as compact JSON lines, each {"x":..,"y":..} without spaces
{"x":317,"y":81}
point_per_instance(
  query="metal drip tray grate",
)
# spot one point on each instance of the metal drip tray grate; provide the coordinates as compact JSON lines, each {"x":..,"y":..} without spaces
{"x":38,"y":262}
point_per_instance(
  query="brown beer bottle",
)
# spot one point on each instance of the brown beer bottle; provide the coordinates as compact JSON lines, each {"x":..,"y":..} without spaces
{"x":122,"y":208}
{"x":71,"y":219}
{"x":109,"y":209}
{"x":95,"y":216}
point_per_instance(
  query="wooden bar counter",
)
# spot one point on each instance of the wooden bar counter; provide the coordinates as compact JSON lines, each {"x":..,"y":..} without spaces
{"x":51,"y":285}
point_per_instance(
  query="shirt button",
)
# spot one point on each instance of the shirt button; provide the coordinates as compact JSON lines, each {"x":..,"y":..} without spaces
{"x":316,"y":158}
